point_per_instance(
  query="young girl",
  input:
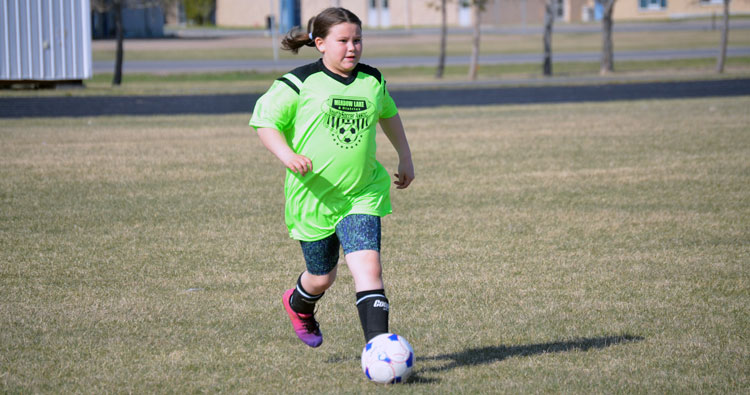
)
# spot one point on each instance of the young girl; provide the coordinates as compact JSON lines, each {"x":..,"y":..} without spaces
{"x":319,"y":121}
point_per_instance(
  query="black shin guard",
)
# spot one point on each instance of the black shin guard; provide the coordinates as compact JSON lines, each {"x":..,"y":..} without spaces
{"x":301,"y":301}
{"x":373,"y":312}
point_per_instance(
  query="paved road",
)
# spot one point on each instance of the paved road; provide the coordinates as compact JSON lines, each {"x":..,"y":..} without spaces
{"x":462,"y":96}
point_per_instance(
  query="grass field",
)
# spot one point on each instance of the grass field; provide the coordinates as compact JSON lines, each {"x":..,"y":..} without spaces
{"x":523,"y":74}
{"x":578,"y":248}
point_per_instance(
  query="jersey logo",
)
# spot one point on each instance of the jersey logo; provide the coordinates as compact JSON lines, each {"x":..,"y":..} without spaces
{"x":347,"y":117}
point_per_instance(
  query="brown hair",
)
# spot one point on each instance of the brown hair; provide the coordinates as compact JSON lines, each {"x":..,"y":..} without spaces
{"x":318,"y":26}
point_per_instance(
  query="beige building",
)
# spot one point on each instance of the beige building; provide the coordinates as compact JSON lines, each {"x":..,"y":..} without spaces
{"x":398,"y":13}
{"x":418,"y":13}
{"x":522,"y":12}
{"x":374,"y":13}
{"x":675,"y":9}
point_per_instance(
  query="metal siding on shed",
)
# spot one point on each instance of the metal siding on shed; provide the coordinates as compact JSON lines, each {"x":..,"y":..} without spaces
{"x":45,"y":40}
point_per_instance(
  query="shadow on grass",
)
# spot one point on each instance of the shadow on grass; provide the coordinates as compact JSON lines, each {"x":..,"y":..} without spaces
{"x":486,"y":355}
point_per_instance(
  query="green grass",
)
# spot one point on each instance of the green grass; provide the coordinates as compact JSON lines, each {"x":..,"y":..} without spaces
{"x":584,"y":248}
{"x":659,"y":69}
{"x":258,"y":82}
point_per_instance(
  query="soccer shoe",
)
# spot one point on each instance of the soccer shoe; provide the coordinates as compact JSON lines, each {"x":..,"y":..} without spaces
{"x":304,"y":325}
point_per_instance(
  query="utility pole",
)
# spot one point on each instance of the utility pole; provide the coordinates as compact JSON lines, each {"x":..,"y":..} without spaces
{"x":407,"y":15}
{"x":274,"y":32}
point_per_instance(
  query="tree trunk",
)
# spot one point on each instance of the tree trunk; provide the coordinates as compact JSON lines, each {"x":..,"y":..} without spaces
{"x":724,"y":40}
{"x":607,"y":64}
{"x":550,"y":12}
{"x":474,"y":63}
{"x":443,"y":39}
{"x":117,"y":79}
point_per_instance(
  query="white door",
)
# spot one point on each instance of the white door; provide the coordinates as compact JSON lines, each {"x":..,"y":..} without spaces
{"x":379,"y":13}
{"x":464,"y":13}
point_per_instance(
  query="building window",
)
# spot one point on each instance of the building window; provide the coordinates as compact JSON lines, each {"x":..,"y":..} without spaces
{"x":379,"y":16}
{"x":560,"y":10}
{"x":464,"y":13}
{"x":653,"y":4}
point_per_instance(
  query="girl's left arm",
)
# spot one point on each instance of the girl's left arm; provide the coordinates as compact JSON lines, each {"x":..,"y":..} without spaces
{"x":394,"y":130}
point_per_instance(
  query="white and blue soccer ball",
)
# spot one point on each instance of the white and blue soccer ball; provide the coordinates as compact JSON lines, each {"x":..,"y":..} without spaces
{"x":387,"y":358}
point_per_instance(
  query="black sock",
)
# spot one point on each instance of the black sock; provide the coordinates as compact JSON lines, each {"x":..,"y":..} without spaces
{"x":373,"y":312}
{"x":301,"y":301}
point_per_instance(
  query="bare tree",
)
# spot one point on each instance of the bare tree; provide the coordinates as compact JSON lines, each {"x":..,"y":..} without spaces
{"x":443,"y":38}
{"x":199,"y":11}
{"x":724,"y":40}
{"x":477,"y":9}
{"x":550,"y":13}
{"x":116,"y":6}
{"x":441,"y":6}
{"x":607,"y":63}
{"x":120,"y":37}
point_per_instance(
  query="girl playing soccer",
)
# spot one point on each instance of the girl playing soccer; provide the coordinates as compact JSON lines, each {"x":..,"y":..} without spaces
{"x":319,"y":120}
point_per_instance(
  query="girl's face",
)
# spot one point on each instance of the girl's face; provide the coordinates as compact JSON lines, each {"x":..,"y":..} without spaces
{"x":341,"y":48}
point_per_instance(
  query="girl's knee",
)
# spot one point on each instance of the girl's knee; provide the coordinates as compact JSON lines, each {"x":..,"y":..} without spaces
{"x":374,"y":270}
{"x":318,"y":283}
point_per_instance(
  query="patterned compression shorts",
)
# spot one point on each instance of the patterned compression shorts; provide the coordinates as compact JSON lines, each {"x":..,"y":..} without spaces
{"x":356,"y":232}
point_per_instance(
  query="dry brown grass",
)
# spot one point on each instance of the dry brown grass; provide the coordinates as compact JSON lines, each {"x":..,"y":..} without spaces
{"x":585,"y":248}
{"x":416,"y":45}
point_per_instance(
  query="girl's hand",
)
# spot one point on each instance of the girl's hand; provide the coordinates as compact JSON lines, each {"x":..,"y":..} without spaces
{"x":394,"y":130}
{"x":299,"y":164}
{"x":405,"y":174}
{"x":275,"y":142}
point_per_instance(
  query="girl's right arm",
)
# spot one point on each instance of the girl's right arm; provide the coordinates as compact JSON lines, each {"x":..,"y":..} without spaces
{"x":276,"y":143}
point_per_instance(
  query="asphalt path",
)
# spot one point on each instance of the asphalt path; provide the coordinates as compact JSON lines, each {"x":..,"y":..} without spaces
{"x":226,"y":65}
{"x":88,"y":106}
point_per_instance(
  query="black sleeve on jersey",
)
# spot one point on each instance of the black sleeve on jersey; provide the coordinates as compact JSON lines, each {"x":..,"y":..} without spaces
{"x":290,"y":83}
{"x":363,"y":68}
{"x":307,"y":70}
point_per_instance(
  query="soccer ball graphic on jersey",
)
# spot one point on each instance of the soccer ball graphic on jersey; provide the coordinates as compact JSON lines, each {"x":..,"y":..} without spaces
{"x":347,"y":134}
{"x":387,"y":358}
{"x":347,"y":118}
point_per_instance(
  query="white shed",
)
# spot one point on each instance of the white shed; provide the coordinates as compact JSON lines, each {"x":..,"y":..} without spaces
{"x":47,"y":41}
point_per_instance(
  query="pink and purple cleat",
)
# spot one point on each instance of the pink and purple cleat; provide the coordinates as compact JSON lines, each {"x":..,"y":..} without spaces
{"x":304,"y":325}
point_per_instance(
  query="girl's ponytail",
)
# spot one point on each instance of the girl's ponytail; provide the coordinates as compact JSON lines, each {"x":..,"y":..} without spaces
{"x":298,"y":38}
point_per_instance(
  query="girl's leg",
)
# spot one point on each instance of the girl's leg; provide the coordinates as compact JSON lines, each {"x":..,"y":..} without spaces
{"x":366,"y":269}
{"x":317,"y":284}
{"x":310,"y":288}
{"x":321,"y":258}
{"x":372,"y":305}
{"x":360,"y":238}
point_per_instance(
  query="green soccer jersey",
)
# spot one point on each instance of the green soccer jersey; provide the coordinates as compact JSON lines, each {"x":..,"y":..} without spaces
{"x":331,"y":120}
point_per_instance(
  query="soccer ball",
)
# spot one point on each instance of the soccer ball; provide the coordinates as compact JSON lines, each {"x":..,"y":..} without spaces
{"x":387,"y":358}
